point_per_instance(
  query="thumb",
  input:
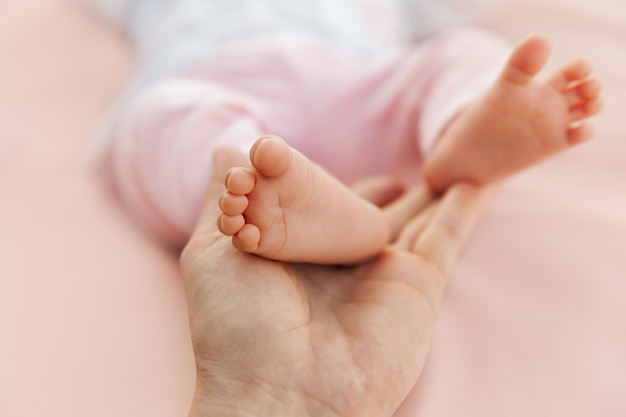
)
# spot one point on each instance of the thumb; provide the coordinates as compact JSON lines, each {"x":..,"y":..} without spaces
{"x":224,"y":158}
{"x":205,"y":234}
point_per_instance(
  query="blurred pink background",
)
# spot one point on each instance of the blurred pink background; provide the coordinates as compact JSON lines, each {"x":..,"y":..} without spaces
{"x":92,"y":313}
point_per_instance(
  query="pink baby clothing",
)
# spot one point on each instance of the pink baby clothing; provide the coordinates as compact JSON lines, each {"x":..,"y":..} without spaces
{"x":354,"y":111}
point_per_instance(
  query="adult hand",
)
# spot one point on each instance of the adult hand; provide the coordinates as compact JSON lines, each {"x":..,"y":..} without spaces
{"x":274,"y":338}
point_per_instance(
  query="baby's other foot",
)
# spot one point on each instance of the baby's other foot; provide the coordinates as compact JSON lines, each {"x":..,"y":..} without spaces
{"x":519,"y":122}
{"x":287,"y":208}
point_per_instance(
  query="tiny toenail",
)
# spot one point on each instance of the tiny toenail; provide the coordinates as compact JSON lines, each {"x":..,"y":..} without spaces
{"x":258,"y":142}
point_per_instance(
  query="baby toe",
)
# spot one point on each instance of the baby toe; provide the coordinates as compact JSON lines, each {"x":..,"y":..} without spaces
{"x":593,"y":107}
{"x":232,"y":204}
{"x":587,"y":109}
{"x":586,"y":90}
{"x":240,"y":181}
{"x":229,"y":225}
{"x":580,"y":133}
{"x":589,"y":89}
{"x":572,"y":72}
{"x":247,"y":239}
{"x":271,"y":156}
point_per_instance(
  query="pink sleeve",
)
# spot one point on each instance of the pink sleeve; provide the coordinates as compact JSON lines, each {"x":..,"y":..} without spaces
{"x":160,"y":155}
{"x":464,"y":64}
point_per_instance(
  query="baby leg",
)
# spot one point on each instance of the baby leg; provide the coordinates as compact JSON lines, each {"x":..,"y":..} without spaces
{"x":161,"y":154}
{"x":287,"y":208}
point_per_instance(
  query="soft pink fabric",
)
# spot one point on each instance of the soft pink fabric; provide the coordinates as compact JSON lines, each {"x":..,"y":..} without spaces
{"x":356,"y":116}
{"x":92,"y":315}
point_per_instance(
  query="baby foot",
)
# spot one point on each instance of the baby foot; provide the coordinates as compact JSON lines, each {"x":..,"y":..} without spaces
{"x":289,"y":209}
{"x":519,"y":122}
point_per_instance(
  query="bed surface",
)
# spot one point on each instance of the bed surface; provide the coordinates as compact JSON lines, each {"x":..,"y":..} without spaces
{"x":92,"y":314}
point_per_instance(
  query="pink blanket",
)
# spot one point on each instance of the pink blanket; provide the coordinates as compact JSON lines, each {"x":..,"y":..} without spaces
{"x":92,"y":316}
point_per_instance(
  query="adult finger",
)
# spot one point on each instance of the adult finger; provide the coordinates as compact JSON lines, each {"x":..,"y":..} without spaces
{"x":380,"y":190}
{"x":450,"y":226}
{"x":223,"y":159}
{"x":405,"y":208}
{"x":408,"y":234}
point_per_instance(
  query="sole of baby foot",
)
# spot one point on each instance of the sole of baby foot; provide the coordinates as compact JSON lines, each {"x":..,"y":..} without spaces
{"x":287,"y":208}
{"x":519,"y":122}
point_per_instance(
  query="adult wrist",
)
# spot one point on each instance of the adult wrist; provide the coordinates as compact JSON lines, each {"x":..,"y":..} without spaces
{"x":216,"y":396}
{"x":206,"y":406}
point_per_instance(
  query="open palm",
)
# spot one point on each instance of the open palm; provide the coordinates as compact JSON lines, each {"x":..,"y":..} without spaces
{"x":274,"y":338}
